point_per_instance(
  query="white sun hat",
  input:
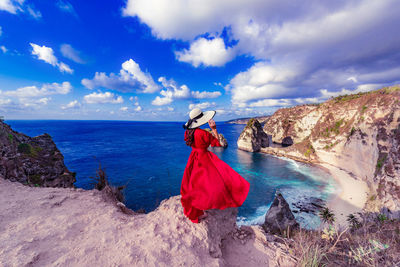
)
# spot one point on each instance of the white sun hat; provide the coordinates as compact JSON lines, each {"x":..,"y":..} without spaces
{"x":198,"y":118}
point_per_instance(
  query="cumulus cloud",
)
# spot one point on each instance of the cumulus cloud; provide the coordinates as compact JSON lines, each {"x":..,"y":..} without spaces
{"x":102,"y":98}
{"x":69,"y":52}
{"x":203,"y":105}
{"x":46,"y":89}
{"x":299,"y":50}
{"x":71,"y":105}
{"x":124,"y":109}
{"x":174,"y":91}
{"x":47,"y":55}
{"x":34,"y":96}
{"x":206,"y":52}
{"x":130,"y":78}
{"x":3,"y":49}
{"x":271,"y":103}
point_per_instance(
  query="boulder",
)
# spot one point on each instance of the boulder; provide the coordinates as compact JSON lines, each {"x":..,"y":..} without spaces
{"x":33,"y":161}
{"x":221,"y":138}
{"x":279,"y":217}
{"x":253,"y":138}
{"x":287,"y":141}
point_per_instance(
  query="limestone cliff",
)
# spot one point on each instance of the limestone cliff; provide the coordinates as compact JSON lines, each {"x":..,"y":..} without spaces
{"x":253,"y":138}
{"x":32,"y":160}
{"x":358,"y":133}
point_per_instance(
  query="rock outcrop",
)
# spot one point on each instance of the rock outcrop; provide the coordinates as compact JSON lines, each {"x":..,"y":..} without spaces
{"x":253,"y":138}
{"x":287,"y":141}
{"x":33,"y":161}
{"x":221,"y":138}
{"x":358,"y":133}
{"x":76,"y":227}
{"x":279,"y":217}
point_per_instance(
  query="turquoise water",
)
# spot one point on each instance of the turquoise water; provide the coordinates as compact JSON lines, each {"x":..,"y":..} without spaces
{"x":150,"y":157}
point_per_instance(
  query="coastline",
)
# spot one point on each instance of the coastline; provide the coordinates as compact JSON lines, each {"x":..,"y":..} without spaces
{"x":351,"y":197}
{"x":351,"y":194}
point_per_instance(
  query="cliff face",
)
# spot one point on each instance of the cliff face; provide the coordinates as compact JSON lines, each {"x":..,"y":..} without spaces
{"x":253,"y":138}
{"x":32,"y":160}
{"x":357,"y":133}
{"x":261,"y":119}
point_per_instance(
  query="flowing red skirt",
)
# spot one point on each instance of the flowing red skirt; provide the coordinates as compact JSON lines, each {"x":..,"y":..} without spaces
{"x":210,"y":183}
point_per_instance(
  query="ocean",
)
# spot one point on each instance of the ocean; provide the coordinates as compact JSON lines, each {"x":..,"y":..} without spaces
{"x":149,"y":159}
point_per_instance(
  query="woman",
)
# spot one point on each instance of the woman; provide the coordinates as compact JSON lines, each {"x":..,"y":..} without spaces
{"x":208,"y":182}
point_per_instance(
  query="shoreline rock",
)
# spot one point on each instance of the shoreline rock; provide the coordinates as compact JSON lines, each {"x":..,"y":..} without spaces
{"x":253,"y":138}
{"x":32,"y":161}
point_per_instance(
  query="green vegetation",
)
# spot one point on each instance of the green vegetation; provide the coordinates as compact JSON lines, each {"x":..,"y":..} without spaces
{"x":29,"y":150}
{"x":381,"y":218}
{"x":250,"y":122}
{"x":309,"y":151}
{"x":354,"y":223}
{"x":335,"y":129}
{"x":24,"y":148}
{"x":10,"y":138}
{"x":365,"y":242}
{"x":344,"y":98}
{"x":363,"y":109}
{"x":380,"y":162}
{"x":327,"y":215}
{"x":35,"y":179}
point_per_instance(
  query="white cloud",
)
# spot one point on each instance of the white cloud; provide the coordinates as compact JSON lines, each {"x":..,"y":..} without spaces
{"x":174,"y":91}
{"x":206,"y":52}
{"x":66,"y":7}
{"x":299,"y":49}
{"x":205,"y":94}
{"x":69,"y":52}
{"x":130,"y":78}
{"x":3,"y":49}
{"x":124,"y":109}
{"x":71,"y":105}
{"x":138,"y":108}
{"x":170,"y":109}
{"x":360,"y":89}
{"x":202,"y":106}
{"x":271,"y":103}
{"x":46,"y":89}
{"x":1,"y":29}
{"x":47,"y":55}
{"x":161,"y":101}
{"x":34,"y":13}
{"x":11,"y":6}
{"x":261,"y":81}
{"x":102,"y":98}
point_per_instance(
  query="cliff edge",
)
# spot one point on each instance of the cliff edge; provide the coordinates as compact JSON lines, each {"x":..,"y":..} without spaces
{"x":358,"y":133}
{"x":32,"y":161}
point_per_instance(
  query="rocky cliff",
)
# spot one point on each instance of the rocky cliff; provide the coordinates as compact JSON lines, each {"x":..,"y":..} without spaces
{"x":33,"y":161}
{"x":261,"y":119}
{"x":253,"y":138}
{"x":357,"y":133}
{"x":221,"y":138}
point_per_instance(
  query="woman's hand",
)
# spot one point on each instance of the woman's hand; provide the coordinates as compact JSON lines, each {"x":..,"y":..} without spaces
{"x":212,"y":125}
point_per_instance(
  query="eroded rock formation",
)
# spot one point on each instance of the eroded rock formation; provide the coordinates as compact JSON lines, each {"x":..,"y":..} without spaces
{"x":253,"y":138}
{"x":33,"y":161}
{"x":279,"y":217}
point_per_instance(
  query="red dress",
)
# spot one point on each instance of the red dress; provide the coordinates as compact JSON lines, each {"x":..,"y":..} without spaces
{"x":208,"y":182}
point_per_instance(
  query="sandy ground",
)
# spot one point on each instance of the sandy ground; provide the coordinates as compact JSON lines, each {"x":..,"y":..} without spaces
{"x":74,"y":227}
{"x":351,"y":196}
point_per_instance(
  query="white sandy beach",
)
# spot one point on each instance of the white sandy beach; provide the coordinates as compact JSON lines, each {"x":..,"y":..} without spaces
{"x":351,"y":196}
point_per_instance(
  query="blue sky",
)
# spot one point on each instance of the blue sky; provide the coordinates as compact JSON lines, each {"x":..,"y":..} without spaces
{"x":157,"y":59}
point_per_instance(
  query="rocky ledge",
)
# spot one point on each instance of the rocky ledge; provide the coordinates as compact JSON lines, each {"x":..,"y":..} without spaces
{"x":32,"y":161}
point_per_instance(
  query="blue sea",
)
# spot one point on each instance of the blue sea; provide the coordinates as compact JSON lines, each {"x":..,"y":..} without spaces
{"x":149,"y":159}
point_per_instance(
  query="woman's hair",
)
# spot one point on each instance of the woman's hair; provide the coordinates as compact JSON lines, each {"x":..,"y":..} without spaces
{"x":189,"y":136}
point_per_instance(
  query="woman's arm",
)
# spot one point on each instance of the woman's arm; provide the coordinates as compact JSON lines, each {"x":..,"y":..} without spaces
{"x":213,"y":127}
